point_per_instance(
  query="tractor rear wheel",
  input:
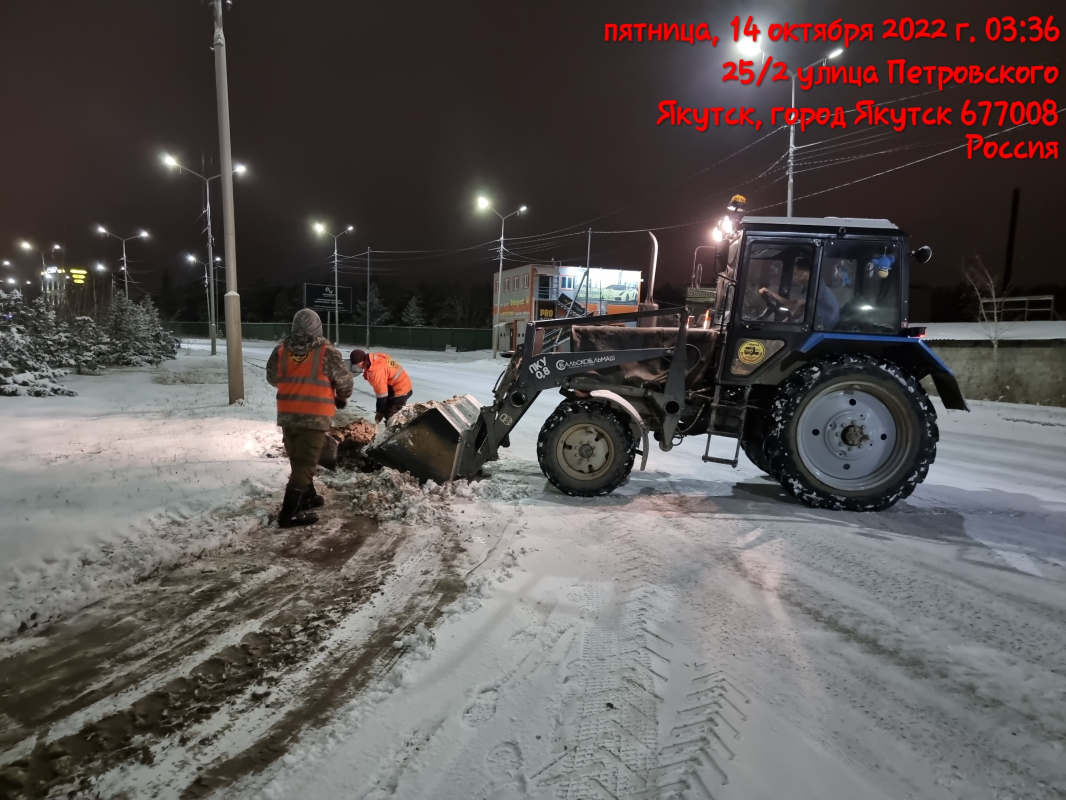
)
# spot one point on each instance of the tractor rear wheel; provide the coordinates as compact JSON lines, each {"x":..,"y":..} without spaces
{"x":586,"y":449}
{"x":753,"y":449}
{"x":851,"y":433}
{"x":754,"y":438}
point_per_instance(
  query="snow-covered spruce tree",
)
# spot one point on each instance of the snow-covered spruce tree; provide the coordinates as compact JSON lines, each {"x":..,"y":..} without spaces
{"x":37,"y":347}
{"x":413,"y":315}
{"x":34,"y":348}
{"x":135,"y":336}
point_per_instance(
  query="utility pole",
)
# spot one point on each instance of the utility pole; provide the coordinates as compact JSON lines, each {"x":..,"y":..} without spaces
{"x":368,"y":297}
{"x":482,"y":203}
{"x":234,"y":354}
{"x":588,"y":270}
{"x":336,"y":299}
{"x":212,"y":301}
{"x":791,"y":148}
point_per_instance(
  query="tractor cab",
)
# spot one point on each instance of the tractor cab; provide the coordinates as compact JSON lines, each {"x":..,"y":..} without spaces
{"x":780,"y":280}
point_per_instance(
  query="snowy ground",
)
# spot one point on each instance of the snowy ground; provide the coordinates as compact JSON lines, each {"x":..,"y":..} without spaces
{"x":695,"y":635}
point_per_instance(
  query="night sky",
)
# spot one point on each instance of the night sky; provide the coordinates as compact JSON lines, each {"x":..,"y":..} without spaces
{"x":392,"y":117}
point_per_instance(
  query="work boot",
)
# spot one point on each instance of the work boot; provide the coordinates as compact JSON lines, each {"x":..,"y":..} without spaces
{"x":312,"y":499}
{"x":291,"y":516}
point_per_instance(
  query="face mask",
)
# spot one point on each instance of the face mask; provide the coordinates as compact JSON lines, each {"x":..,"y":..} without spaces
{"x":355,"y":368}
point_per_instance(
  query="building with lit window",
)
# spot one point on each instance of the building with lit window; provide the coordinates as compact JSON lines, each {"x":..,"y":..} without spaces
{"x":537,"y":291}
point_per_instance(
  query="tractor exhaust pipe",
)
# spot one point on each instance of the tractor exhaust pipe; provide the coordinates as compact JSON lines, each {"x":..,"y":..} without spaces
{"x":649,"y":303}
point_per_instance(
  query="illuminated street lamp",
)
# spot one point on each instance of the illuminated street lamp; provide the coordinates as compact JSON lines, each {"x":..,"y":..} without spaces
{"x":240,"y":169}
{"x":320,"y":229}
{"x":482,"y":204}
{"x":125,"y":270}
{"x":747,"y":47}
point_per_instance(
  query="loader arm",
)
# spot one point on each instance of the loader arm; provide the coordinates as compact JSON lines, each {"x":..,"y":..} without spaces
{"x":455,"y":438}
{"x":532,"y":371}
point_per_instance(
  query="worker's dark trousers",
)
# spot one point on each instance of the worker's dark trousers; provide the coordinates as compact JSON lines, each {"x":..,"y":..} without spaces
{"x":395,"y":402}
{"x":303,"y":446}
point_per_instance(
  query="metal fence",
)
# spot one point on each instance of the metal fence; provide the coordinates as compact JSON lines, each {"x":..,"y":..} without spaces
{"x":380,"y":335}
{"x":1034,"y":307}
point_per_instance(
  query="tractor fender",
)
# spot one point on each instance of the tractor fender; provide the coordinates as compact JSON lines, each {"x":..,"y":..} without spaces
{"x":625,"y":405}
{"x":910,"y":353}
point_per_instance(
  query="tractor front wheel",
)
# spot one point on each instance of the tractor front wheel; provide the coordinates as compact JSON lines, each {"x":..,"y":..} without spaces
{"x":851,"y":433}
{"x":586,"y":449}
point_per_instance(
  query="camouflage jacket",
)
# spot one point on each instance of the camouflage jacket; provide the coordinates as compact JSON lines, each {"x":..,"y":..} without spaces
{"x":333,"y":365}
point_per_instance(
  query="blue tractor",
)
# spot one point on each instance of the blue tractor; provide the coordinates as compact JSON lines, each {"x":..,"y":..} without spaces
{"x":807,"y":361}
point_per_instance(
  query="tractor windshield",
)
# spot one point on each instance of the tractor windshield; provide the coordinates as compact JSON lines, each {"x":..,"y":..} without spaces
{"x":776,"y":281}
{"x":862,"y":281}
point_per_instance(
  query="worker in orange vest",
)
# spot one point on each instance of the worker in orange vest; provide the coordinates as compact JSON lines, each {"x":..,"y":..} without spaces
{"x":391,"y":385}
{"x":312,"y":383}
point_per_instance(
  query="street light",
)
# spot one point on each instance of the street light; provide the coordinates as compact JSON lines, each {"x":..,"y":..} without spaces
{"x":749,"y":48}
{"x":320,"y":229}
{"x":125,"y":272}
{"x":212,"y":303}
{"x":483,"y":203}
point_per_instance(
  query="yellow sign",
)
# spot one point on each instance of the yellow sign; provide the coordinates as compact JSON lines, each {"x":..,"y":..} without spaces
{"x":751,"y":352}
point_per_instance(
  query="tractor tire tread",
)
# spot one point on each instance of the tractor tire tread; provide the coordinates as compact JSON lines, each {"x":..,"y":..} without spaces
{"x":787,"y":403}
{"x":604,"y":413}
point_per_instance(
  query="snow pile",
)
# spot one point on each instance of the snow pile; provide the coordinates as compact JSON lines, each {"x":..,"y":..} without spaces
{"x":37,"y":347}
{"x":45,"y":589}
{"x":387,"y":495}
{"x":351,"y":440}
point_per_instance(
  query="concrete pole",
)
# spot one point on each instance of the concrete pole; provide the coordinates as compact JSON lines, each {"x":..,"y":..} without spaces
{"x":212,"y":302}
{"x":125,"y":270}
{"x":336,"y":298}
{"x":499,"y":295}
{"x":368,"y":298}
{"x":234,"y":354}
{"x":588,"y":272}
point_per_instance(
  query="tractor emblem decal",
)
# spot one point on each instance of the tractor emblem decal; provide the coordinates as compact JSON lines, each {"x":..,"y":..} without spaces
{"x":582,"y":362}
{"x":751,"y":352}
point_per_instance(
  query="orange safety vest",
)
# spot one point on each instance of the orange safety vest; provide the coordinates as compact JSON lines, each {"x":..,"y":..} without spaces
{"x":303,"y":387}
{"x":384,"y":374}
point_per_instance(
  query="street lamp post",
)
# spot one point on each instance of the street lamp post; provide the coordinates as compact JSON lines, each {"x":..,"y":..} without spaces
{"x":320,"y":228}
{"x":99,"y":268}
{"x":750,"y":48}
{"x":482,"y":203}
{"x":125,"y":266}
{"x":234,"y":355}
{"x":212,"y":302}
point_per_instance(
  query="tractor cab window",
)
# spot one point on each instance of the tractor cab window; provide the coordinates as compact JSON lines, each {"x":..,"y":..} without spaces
{"x":859,"y":287}
{"x":776,"y":281}
{"x":725,"y":285}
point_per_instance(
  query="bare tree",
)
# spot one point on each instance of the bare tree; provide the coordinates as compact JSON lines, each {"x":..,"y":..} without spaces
{"x":989,"y":297}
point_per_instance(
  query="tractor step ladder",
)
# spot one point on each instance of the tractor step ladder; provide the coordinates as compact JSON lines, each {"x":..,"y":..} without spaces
{"x":715,"y":405}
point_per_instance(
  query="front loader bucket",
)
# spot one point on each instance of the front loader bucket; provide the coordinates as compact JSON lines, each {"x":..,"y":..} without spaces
{"x":429,"y":445}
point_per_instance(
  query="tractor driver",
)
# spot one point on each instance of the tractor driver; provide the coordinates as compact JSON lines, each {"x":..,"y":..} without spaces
{"x":827,"y":310}
{"x":391,"y":385}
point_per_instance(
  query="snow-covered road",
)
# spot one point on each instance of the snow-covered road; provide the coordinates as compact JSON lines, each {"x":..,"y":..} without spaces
{"x":697,"y":634}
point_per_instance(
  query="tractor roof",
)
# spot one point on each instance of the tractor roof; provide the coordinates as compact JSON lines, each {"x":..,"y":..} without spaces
{"x":820,"y":225}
